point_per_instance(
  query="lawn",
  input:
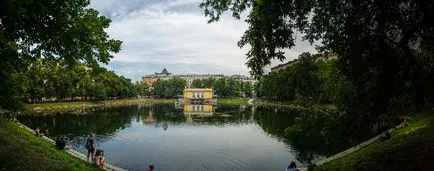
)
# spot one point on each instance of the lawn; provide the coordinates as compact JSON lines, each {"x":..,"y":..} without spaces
{"x":21,"y":150}
{"x":232,"y":101}
{"x":69,"y":106}
{"x":409,"y":148}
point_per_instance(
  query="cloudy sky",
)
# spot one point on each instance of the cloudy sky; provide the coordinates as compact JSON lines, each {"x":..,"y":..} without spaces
{"x":174,"y":34}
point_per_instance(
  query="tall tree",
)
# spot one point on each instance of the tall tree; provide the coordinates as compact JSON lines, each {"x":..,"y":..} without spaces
{"x":66,"y":29}
{"x":378,"y":42}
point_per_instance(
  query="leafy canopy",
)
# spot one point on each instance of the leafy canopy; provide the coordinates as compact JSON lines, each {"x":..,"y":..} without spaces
{"x":56,"y":29}
{"x":381,"y":45}
{"x":67,"y":30}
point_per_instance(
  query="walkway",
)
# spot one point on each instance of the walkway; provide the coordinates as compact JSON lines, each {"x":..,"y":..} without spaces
{"x":359,"y":146}
{"x":72,"y":151}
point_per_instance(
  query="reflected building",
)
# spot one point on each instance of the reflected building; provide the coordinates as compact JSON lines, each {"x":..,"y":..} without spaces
{"x":202,"y":110}
{"x":194,"y":111}
{"x":149,"y":119}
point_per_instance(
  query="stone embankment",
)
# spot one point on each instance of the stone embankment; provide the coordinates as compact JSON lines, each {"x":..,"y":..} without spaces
{"x":73,"y":152}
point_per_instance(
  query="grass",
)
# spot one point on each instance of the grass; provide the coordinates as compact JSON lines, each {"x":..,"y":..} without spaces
{"x":21,"y":150}
{"x":410,"y":148}
{"x":70,"y":106}
{"x":272,"y":103}
{"x":233,"y":101}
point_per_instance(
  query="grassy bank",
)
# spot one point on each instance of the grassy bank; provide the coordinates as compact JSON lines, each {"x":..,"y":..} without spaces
{"x":410,"y":148}
{"x":232,"y":101}
{"x":69,"y":106}
{"x":21,"y":150}
{"x":272,"y":103}
{"x":286,"y":104}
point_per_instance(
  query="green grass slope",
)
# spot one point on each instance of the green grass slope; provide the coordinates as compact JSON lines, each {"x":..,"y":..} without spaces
{"x":21,"y":150}
{"x":409,"y":148}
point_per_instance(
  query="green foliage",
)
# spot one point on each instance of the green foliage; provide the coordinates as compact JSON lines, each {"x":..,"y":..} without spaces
{"x":225,"y":87}
{"x":97,"y":90}
{"x":233,"y":101}
{"x":48,"y":80}
{"x":83,"y":106}
{"x":384,"y":47}
{"x":22,"y":150}
{"x":409,"y":148}
{"x":309,"y":79}
{"x":68,"y":30}
{"x":170,"y":88}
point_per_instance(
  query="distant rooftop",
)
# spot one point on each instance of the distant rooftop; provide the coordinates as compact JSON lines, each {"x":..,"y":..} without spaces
{"x":284,"y":64}
{"x":197,"y":89}
{"x":196,"y":75}
{"x":164,"y":72}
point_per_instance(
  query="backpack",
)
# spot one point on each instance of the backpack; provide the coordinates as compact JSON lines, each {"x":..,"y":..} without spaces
{"x":88,"y":147}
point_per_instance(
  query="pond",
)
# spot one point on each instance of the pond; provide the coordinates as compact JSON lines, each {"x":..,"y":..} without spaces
{"x":195,"y":137}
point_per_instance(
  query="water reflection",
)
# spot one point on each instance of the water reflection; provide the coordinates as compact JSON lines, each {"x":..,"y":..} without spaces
{"x":220,"y":137}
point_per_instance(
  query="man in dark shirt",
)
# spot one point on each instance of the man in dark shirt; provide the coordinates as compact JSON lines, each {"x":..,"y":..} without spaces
{"x":90,"y":146}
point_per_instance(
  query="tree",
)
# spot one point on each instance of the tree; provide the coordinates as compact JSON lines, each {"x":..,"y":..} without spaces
{"x":142,"y":89}
{"x":379,"y":42}
{"x":50,"y":29}
{"x":170,"y":88}
{"x":97,"y":90}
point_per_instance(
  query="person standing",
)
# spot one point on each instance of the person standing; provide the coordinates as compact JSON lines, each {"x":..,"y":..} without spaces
{"x":90,"y":146}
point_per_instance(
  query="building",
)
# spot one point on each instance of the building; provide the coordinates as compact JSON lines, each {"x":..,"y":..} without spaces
{"x":203,"y":110}
{"x":332,"y":55}
{"x":151,"y":79}
{"x":279,"y":67}
{"x":189,"y":78}
{"x":198,"y":96}
{"x":198,"y":93}
{"x":283,"y":66}
{"x":243,"y":78}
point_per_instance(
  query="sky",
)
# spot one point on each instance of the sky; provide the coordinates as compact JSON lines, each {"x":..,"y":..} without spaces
{"x":174,"y":34}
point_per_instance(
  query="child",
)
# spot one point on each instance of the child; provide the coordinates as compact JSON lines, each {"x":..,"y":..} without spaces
{"x":99,"y":159}
{"x":151,"y":168}
{"x":292,"y":167}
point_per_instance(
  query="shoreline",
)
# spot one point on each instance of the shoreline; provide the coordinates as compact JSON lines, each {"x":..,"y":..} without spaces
{"x":72,"y":152}
{"x":21,"y":149}
{"x":82,"y":105}
{"x":76,"y":105}
{"x":412,"y":135}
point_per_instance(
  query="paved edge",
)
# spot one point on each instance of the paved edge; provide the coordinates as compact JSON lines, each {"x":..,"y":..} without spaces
{"x":72,"y":151}
{"x":359,"y":146}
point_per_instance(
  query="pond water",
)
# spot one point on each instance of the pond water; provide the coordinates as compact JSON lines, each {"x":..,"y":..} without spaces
{"x":195,"y":138}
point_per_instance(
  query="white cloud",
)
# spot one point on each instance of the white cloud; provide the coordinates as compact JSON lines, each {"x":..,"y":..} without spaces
{"x":174,"y":33}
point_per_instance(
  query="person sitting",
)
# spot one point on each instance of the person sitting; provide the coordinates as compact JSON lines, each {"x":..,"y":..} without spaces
{"x":291,"y":167}
{"x":37,"y":132}
{"x":99,"y":159}
{"x":385,"y":136}
{"x":61,"y":143}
